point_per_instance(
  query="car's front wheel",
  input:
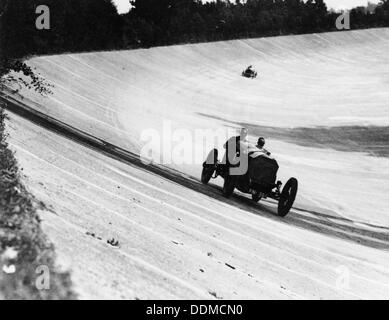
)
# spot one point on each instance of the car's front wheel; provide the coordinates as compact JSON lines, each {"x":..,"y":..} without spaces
{"x":209,"y":166}
{"x":287,"y":197}
{"x":207,"y":174}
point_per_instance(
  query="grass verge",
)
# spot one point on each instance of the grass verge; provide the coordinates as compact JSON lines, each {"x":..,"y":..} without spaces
{"x":27,"y":257}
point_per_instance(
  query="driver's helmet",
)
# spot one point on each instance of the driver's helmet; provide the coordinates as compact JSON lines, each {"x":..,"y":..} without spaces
{"x":261,"y":142}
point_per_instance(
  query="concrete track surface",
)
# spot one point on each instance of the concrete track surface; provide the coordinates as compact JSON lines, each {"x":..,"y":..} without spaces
{"x":321,"y":101}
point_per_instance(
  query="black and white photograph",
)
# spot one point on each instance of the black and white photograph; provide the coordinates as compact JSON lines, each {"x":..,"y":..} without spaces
{"x":188,"y":150}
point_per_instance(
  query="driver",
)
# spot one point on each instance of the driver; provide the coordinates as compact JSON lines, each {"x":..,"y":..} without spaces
{"x":261,"y":146}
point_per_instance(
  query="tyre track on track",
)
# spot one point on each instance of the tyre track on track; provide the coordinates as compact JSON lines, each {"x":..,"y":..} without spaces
{"x":129,"y":158}
{"x":194,"y":252}
{"x":85,"y":139}
{"x":122,"y":155}
{"x":192,"y":231}
{"x":183,"y":199}
{"x":234,"y":248}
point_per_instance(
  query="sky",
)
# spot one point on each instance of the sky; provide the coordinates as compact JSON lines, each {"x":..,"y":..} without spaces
{"x":124,"y":5}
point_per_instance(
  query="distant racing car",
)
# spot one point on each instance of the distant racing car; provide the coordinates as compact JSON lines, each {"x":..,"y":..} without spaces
{"x":259,"y":180}
{"x":250,"y":73}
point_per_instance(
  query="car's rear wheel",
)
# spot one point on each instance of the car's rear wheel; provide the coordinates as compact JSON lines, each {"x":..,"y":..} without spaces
{"x":229,"y":186}
{"x":288,"y":196}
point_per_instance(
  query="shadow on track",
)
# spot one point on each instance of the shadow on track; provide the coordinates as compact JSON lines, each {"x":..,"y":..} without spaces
{"x":372,"y":140}
{"x":331,"y":225}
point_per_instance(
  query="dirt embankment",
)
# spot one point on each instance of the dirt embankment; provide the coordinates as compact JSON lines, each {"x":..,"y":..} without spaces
{"x":27,"y":257}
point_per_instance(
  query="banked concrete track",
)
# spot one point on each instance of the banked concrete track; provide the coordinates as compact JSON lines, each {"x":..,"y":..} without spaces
{"x":177,"y":238}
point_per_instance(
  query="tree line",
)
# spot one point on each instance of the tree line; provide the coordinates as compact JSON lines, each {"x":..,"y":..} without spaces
{"x":89,"y":25}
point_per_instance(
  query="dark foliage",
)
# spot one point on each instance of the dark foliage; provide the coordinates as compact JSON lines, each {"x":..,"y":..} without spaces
{"x":22,"y":75}
{"x":164,"y":22}
{"x":75,"y":25}
{"x":89,"y":25}
{"x":20,"y":231}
